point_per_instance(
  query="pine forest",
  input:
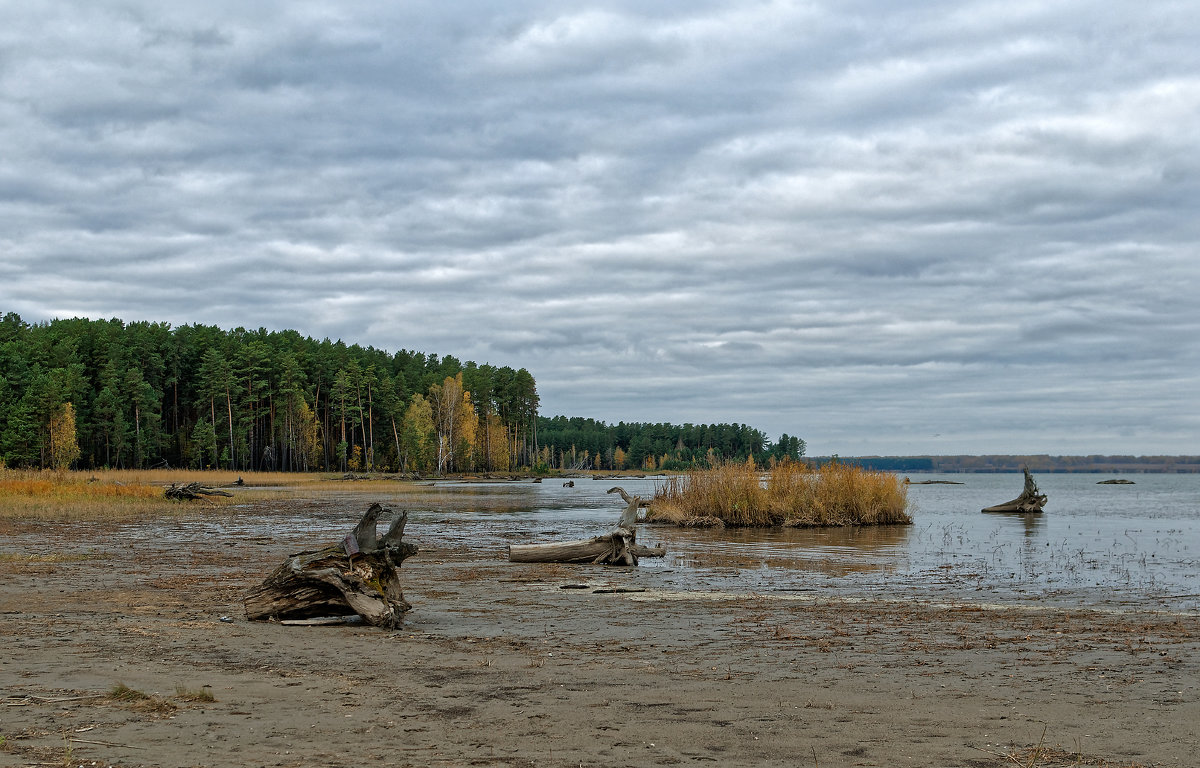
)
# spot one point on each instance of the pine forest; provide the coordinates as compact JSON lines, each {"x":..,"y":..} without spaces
{"x":80,"y":393}
{"x":103,"y":393}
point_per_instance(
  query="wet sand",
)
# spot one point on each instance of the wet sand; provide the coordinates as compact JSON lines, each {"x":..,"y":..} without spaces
{"x":549,"y":665}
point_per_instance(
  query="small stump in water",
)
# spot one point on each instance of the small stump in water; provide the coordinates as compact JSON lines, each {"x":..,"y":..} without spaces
{"x":357,"y":576}
{"x":1030,"y":500}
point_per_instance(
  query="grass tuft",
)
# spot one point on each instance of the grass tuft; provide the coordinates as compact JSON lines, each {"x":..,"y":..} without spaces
{"x":122,"y":692}
{"x":789,"y":494}
{"x":142,"y":702}
{"x":202,"y":694}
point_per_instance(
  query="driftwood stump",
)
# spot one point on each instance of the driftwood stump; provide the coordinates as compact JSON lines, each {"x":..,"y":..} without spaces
{"x":357,"y":576}
{"x":191,"y":491}
{"x":1030,"y":500}
{"x":617,"y":548}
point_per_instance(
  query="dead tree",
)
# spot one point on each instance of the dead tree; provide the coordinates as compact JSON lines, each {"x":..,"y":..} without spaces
{"x":1030,"y":500}
{"x":632,"y":503}
{"x":617,"y":548}
{"x":357,"y":576}
{"x":191,"y":491}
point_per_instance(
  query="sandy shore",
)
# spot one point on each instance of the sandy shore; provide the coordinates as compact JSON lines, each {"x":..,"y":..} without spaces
{"x":546,"y":665}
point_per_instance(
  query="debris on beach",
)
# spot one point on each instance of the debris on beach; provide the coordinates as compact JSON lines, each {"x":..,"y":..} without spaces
{"x":358,"y":576}
{"x":192,"y":491}
{"x":617,"y":548}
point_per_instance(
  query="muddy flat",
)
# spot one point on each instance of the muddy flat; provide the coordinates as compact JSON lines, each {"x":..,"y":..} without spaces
{"x":550,"y":665}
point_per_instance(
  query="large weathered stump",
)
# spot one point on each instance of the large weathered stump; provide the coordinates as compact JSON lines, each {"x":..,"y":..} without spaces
{"x":617,"y":548}
{"x":1030,"y":500}
{"x":357,"y":576}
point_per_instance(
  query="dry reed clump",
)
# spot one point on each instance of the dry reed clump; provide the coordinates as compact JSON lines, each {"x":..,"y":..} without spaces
{"x":788,"y":494}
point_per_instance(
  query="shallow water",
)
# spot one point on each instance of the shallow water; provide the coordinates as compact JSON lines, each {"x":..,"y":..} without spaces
{"x":1095,"y":545}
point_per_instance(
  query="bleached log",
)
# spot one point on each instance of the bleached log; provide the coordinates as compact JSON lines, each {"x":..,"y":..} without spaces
{"x":617,"y":548}
{"x":610,"y":550}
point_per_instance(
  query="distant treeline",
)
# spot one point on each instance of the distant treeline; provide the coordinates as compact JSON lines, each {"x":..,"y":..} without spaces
{"x":578,"y":443}
{"x":1036,"y":463}
{"x":103,"y":393}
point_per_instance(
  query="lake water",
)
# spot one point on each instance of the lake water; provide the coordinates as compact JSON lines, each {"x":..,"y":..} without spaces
{"x":1095,"y":545}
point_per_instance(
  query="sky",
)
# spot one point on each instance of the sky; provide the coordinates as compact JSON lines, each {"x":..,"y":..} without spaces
{"x":887,"y":228}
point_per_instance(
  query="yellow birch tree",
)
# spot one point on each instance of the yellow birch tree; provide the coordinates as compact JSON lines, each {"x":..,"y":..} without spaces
{"x":64,"y":443}
{"x":308,"y":436}
{"x":417,"y":435}
{"x":466,"y":434}
{"x":496,"y":449}
{"x":454,"y":423}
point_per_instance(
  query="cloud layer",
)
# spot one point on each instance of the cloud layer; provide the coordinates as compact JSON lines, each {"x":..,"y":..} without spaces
{"x":948,"y":228}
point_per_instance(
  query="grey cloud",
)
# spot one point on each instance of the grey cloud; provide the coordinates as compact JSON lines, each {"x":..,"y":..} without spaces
{"x":862,"y":223}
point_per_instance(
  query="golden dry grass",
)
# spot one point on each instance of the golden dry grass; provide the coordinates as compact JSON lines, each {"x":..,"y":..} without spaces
{"x":65,"y":496}
{"x":116,"y":495}
{"x":789,"y":494}
{"x":210,"y":477}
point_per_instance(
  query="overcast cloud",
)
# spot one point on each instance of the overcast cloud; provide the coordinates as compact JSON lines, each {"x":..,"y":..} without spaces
{"x":888,"y":228}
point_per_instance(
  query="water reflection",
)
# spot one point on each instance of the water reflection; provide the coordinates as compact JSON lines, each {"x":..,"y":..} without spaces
{"x":853,"y":537}
{"x":829,"y":551}
{"x":1031,"y":522}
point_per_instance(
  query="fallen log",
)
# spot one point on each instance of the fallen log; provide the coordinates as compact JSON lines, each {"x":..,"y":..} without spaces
{"x":617,"y":548}
{"x":192,"y":491}
{"x":357,"y":576}
{"x":611,"y":549}
{"x":1030,"y":500}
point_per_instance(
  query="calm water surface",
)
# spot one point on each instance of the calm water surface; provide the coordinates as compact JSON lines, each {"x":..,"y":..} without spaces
{"x":1114,"y":546}
{"x":1096,"y":545}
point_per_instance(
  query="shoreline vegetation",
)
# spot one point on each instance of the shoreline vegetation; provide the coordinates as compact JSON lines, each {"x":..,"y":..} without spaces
{"x":137,"y":494}
{"x":789,"y":494}
{"x":67,"y":496}
{"x":734,"y":494}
